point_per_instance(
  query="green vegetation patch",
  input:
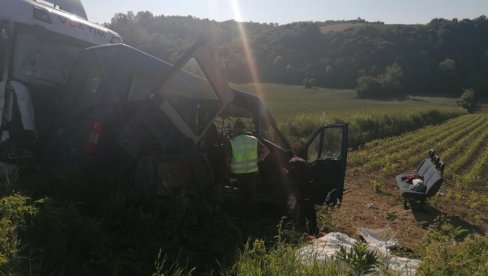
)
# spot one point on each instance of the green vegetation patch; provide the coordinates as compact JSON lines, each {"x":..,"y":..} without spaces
{"x":289,"y":101}
{"x":299,"y":111}
{"x":445,"y":252}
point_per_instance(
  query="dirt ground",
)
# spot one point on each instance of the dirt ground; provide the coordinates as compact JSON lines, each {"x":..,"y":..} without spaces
{"x":364,"y":207}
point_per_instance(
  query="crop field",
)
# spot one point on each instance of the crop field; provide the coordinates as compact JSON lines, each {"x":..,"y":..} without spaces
{"x":289,"y":101}
{"x":299,"y":111}
{"x":461,"y":143}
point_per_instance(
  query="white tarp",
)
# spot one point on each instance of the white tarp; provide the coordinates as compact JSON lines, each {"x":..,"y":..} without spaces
{"x":328,"y":245}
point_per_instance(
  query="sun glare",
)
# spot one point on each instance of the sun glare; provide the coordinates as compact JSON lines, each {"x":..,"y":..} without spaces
{"x":251,"y":61}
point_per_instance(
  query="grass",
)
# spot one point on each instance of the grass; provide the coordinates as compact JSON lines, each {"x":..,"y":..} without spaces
{"x":449,"y":250}
{"x":289,"y":101}
{"x":299,"y":111}
{"x":281,"y":259}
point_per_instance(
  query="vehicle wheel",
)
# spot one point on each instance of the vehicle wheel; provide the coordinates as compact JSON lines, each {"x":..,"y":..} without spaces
{"x":291,"y":203}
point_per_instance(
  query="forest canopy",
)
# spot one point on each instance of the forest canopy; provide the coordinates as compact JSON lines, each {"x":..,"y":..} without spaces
{"x":443,"y":57}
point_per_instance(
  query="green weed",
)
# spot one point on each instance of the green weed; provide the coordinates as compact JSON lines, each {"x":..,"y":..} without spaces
{"x":377,"y":185}
{"x":282,"y":259}
{"x":445,"y":252}
{"x":359,"y":258}
{"x":390,"y":215}
{"x":163,"y":268}
{"x":15,"y":213}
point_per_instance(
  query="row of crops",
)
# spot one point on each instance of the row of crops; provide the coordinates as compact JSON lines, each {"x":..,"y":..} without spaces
{"x":462,"y":143}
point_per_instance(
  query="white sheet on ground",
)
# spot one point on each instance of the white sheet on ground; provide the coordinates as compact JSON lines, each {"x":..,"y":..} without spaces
{"x":378,"y":240}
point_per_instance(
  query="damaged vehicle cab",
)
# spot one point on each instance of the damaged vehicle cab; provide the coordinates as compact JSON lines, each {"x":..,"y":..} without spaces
{"x":39,"y":41}
{"x":173,"y":121}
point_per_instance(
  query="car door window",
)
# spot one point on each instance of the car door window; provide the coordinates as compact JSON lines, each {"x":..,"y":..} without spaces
{"x":332,"y":143}
{"x":314,"y":149}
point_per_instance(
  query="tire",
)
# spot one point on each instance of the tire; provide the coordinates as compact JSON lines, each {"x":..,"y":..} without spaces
{"x":291,"y":202}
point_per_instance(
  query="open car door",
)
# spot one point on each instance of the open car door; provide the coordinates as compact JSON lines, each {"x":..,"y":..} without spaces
{"x":326,"y":154}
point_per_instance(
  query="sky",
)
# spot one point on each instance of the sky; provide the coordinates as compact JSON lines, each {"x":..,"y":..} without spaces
{"x":286,"y":11}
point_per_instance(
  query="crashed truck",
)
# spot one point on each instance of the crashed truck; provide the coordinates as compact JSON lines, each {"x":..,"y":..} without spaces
{"x":172,"y":122}
{"x":39,"y":41}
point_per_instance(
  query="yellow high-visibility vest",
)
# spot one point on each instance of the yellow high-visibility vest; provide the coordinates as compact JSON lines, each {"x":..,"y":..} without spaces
{"x":244,"y":154}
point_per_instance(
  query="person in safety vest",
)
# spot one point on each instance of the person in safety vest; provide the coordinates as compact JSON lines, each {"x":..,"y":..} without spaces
{"x":245,"y":151}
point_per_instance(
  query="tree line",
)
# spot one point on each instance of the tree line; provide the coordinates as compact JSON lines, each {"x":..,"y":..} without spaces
{"x":443,"y":57}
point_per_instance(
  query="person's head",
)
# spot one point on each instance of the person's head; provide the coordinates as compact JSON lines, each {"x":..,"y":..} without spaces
{"x":239,"y":126}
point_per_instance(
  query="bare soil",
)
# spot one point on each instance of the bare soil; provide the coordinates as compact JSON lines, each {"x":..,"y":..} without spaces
{"x":364,"y":207}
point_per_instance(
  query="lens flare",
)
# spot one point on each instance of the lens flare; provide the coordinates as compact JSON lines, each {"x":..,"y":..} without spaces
{"x":251,"y":61}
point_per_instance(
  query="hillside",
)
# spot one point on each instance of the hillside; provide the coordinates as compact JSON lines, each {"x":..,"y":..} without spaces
{"x":439,"y":58}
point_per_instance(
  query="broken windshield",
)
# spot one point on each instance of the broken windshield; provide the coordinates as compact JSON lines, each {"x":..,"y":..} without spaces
{"x":43,"y":58}
{"x":193,"y":97}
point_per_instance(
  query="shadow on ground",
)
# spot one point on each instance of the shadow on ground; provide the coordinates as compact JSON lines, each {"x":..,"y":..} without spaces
{"x":430,"y":215}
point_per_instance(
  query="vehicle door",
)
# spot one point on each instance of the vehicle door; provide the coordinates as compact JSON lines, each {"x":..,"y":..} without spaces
{"x":326,"y":154}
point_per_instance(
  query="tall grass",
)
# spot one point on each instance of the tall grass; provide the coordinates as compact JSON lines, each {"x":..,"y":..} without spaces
{"x":53,"y":238}
{"x":15,"y":213}
{"x":281,"y":259}
{"x":448,"y":250}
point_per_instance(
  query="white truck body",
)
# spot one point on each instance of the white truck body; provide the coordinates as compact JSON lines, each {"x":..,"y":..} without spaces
{"x":33,"y":13}
{"x":39,"y":40}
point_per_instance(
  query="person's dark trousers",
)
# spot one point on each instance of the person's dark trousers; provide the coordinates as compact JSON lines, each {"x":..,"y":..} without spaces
{"x":246,"y":182}
{"x":309,"y":214}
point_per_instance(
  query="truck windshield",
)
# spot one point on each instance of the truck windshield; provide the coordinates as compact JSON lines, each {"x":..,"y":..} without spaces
{"x":43,"y":58}
{"x":192,"y":96}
